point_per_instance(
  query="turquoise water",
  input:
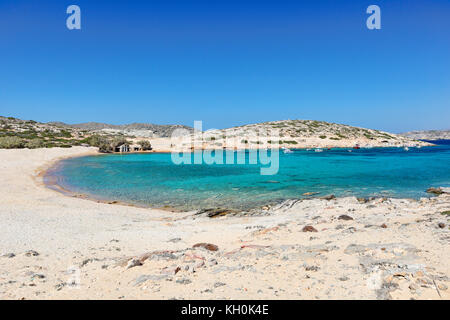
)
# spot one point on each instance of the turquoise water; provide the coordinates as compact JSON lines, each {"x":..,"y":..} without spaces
{"x":153,"y":180}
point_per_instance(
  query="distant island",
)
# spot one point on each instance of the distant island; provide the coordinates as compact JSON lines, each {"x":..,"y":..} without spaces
{"x":428,"y":135}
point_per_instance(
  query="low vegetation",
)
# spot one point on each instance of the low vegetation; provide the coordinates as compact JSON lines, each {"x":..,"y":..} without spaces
{"x":145,"y":145}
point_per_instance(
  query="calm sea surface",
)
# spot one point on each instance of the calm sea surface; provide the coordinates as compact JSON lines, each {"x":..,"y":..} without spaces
{"x":153,"y":180}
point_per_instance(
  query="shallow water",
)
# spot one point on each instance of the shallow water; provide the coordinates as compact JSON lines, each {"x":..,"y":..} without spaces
{"x":153,"y":180}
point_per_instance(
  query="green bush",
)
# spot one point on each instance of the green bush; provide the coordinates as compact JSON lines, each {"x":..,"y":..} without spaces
{"x":34,"y":144}
{"x":11,"y":143}
{"x":118,"y":141}
{"x":145,"y":144}
{"x":102,"y":143}
{"x":65,"y":134}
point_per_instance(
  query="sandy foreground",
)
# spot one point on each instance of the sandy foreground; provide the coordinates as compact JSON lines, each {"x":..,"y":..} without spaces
{"x":54,"y":246}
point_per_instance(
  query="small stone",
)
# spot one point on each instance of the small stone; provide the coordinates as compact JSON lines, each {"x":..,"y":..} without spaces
{"x":384,"y":226}
{"x":192,"y":269}
{"x":145,"y":277}
{"x":183,"y":281}
{"x":354,"y":248}
{"x":171,"y":271}
{"x":329,"y":197}
{"x":59,"y":286}
{"x":441,"y":225}
{"x":85,"y":262}
{"x":345,"y":217}
{"x":212,"y":262}
{"x":442,"y":286}
{"x":219,"y":284}
{"x":174,"y":240}
{"x":8,"y":255}
{"x":344,"y":278}
{"x":311,"y":268}
{"x":31,"y":253}
{"x":133,"y":263}
{"x":309,"y":229}
{"x":413,"y":287}
{"x":207,"y":246}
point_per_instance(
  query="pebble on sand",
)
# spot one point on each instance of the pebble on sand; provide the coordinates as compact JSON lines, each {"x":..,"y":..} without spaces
{"x":207,"y":246}
{"x":309,"y":229}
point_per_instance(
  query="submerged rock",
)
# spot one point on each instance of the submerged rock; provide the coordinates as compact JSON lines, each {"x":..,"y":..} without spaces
{"x":436,"y":191}
{"x":310,"y":193}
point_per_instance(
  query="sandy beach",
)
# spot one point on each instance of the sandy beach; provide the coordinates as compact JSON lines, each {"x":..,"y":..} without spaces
{"x":55,"y":246}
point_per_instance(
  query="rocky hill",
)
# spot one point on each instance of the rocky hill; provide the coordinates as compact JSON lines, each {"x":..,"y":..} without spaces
{"x":428,"y":134}
{"x":299,"y":134}
{"x":147,"y":130}
{"x":16,"y":133}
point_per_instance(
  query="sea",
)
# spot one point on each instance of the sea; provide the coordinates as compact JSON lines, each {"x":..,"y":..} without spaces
{"x":154,"y":180}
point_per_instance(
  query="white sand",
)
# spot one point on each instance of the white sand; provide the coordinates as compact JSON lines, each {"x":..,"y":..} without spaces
{"x":343,"y":260}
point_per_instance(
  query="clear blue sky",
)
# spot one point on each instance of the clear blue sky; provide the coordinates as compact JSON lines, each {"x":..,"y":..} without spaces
{"x":227,"y":62}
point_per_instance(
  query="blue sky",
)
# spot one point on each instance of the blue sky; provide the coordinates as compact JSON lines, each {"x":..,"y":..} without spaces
{"x":227,"y":62}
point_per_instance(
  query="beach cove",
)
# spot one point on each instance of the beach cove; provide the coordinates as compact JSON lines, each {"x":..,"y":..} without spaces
{"x":54,"y":246}
{"x":155,"y":180}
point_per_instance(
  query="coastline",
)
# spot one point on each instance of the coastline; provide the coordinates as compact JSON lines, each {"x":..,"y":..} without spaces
{"x":267,"y":256}
{"x":50,"y":181}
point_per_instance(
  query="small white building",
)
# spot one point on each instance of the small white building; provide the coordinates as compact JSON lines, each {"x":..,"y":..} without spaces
{"x":123,"y":148}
